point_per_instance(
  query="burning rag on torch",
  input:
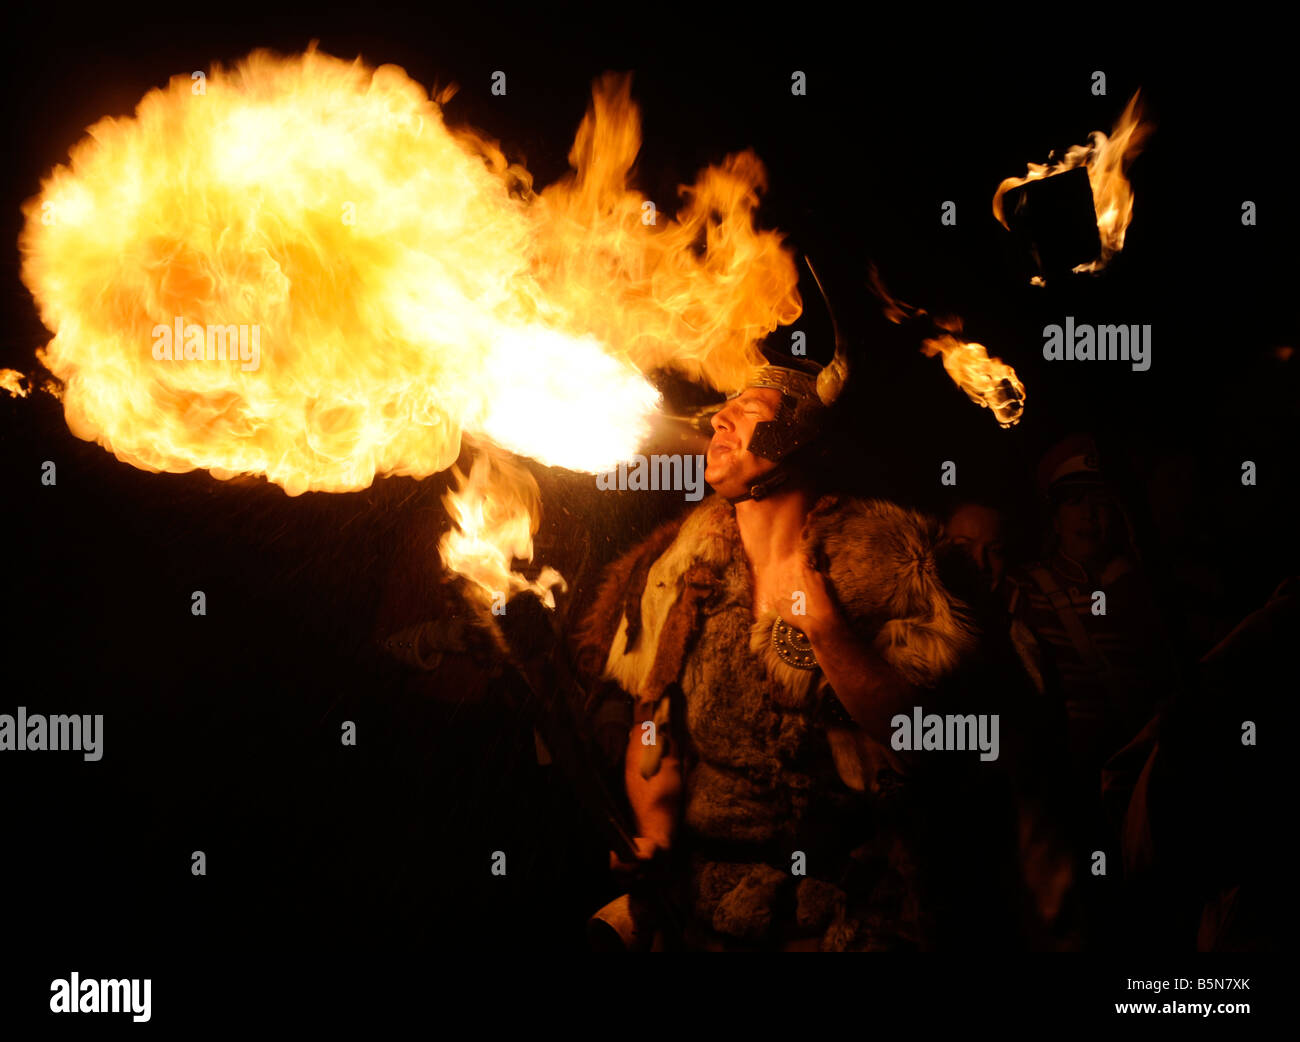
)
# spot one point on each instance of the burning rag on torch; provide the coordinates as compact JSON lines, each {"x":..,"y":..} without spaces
{"x":1074,"y":213}
{"x":988,"y":382}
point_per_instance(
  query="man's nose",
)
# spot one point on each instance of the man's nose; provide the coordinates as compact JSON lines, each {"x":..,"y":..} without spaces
{"x":722,"y":419}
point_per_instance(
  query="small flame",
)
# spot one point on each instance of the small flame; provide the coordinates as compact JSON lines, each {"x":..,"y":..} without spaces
{"x":11,"y":381}
{"x":989,"y":382}
{"x":495,"y":510}
{"x":1106,"y":159}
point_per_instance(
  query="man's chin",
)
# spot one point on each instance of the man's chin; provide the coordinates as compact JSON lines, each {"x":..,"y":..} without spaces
{"x":718,"y":479}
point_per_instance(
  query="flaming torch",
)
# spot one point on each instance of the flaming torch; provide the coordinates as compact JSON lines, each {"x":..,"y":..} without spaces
{"x":989,"y":382}
{"x":1046,"y":218}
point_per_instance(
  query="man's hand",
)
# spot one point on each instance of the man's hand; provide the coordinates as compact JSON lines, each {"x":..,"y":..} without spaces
{"x":646,"y":848}
{"x":803,"y":597}
{"x":655,"y":801}
{"x":867,"y":686}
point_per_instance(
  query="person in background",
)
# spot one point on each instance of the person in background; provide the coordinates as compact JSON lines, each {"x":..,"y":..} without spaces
{"x":1106,"y":658}
{"x":977,"y":528}
{"x":977,"y":542}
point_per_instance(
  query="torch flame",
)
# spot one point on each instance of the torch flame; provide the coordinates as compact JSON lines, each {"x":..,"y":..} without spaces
{"x":989,"y":382}
{"x":496,"y":510}
{"x":12,"y":381}
{"x":1106,"y":159}
{"x":403,"y":284}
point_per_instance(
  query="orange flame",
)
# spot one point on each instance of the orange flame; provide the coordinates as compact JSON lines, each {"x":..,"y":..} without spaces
{"x":1106,"y":159}
{"x":989,"y":382}
{"x":11,"y":381}
{"x":392,"y":285}
{"x":496,"y":510}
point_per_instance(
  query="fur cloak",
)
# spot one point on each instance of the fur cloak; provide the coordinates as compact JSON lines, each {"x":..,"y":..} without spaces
{"x":672,"y":627}
{"x":878,"y":559}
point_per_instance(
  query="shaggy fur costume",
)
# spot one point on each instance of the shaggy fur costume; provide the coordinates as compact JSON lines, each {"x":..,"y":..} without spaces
{"x":878,"y":558}
{"x":673,"y":626}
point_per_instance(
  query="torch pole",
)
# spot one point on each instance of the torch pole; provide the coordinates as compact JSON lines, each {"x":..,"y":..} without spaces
{"x":553,"y":697}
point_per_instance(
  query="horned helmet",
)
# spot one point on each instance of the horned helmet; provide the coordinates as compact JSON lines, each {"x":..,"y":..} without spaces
{"x":808,"y":391}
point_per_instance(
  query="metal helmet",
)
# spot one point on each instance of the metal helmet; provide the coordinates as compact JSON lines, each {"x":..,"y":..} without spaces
{"x":807,"y":393}
{"x":800,"y":417}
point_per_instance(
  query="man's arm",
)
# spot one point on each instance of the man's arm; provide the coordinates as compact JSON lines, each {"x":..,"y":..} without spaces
{"x":868,"y":687}
{"x":655,"y":800}
{"x":871,"y":690}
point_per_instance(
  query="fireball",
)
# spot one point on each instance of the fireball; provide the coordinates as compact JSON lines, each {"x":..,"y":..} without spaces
{"x":295,"y":268}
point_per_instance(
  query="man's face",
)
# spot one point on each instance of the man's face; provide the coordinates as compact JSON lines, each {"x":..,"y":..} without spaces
{"x":978,"y":531}
{"x":1085,"y":524}
{"x":730,"y":467}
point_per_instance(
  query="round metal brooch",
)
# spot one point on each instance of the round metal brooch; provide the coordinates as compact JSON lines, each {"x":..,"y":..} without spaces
{"x":790,"y":644}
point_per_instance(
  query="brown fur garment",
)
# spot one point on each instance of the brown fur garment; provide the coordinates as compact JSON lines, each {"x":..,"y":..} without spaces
{"x":878,"y":558}
{"x":675,"y":614}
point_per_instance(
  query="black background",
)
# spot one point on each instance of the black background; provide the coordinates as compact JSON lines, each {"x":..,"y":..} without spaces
{"x":222,"y":732}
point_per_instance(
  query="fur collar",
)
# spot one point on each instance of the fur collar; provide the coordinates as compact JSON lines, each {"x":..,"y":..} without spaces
{"x":879,"y":560}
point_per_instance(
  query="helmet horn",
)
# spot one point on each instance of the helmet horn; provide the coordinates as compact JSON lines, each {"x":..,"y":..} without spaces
{"x":833,"y":377}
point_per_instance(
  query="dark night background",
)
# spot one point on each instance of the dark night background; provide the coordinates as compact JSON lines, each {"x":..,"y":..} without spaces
{"x":221,"y":733}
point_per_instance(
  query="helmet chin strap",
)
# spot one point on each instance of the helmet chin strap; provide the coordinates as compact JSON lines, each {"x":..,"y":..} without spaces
{"x":763,"y":489}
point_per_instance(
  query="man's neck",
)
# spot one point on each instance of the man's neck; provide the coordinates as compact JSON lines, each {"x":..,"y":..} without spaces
{"x":770,"y":528}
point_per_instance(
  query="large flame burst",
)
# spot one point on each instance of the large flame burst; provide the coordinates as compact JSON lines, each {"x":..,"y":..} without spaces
{"x":407,"y":285}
